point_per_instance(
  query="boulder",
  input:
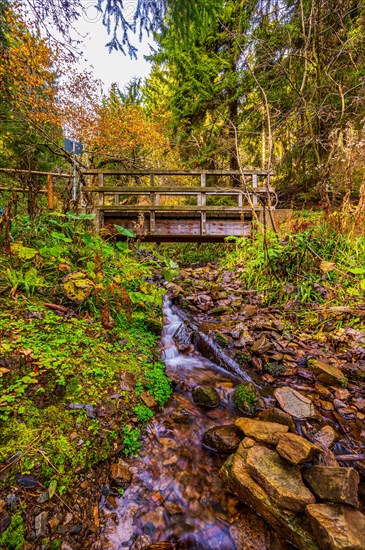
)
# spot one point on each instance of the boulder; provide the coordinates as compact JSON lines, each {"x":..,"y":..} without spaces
{"x":296,"y":449}
{"x":237,"y":478}
{"x":294,"y":403}
{"x":182,"y":337}
{"x":326,"y":373}
{"x":206,"y":396}
{"x":121,"y":474}
{"x":334,"y":484}
{"x":278,"y":416}
{"x":337,"y":527}
{"x":223,"y":439}
{"x":282,"y":481}
{"x":267,"y":432}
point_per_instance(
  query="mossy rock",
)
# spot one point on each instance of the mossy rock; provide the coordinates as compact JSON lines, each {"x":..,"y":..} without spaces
{"x":206,"y":397}
{"x":77,"y":287}
{"x":246,"y":398}
{"x":154,"y":325}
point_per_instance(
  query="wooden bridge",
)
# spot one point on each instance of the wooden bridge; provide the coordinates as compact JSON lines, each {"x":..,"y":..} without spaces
{"x":161,"y":210}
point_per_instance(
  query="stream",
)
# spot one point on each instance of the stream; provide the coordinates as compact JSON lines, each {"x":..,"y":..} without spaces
{"x":176,"y":497}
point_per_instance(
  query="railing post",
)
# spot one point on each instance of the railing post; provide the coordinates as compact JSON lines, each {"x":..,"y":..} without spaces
{"x":101,"y":184}
{"x":50,"y":192}
{"x":254,"y":187}
{"x":203,"y":222}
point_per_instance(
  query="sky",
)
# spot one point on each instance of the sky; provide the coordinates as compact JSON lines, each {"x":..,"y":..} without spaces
{"x":109,"y":67}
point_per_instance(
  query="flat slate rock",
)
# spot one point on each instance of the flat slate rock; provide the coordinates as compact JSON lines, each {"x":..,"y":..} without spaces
{"x":282,"y":481}
{"x":296,"y":449}
{"x":267,"y":432}
{"x":337,"y":527}
{"x":294,"y":403}
{"x":280,"y":417}
{"x":334,"y":484}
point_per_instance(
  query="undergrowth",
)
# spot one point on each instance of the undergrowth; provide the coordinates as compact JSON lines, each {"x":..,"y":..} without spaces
{"x":315,"y":265}
{"x":76,"y":312}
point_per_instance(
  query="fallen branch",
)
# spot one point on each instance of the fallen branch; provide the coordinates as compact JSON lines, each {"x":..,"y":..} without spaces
{"x":56,"y":307}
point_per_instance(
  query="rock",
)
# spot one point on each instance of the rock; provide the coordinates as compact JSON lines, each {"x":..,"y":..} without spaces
{"x":338,"y":404}
{"x":223,"y":439}
{"x":182,"y":337}
{"x":237,"y":478}
{"x":250,"y":311}
{"x":148,"y":400}
{"x":267,"y":432}
{"x":261,"y":346}
{"x":326,"y":436}
{"x":43,"y":497}
{"x":296,"y":449}
{"x":326,"y":373}
{"x":181,"y":416}
{"x":219,"y":310}
{"x":4,"y":521}
{"x":11,"y":502}
{"x":247,"y":443}
{"x":278,"y":416}
{"x":66,"y":546}
{"x":76,"y":529}
{"x":121,"y":474}
{"x":26,"y":480}
{"x":334,"y":484}
{"x":206,"y":397}
{"x":283,"y":482}
{"x":342,"y":394}
{"x":294,"y":403}
{"x":40,"y":524}
{"x":337,"y":527}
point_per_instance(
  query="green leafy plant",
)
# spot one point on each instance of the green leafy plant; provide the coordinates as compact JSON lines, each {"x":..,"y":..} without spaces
{"x":143,"y":413}
{"x":244,"y":398}
{"x":131,"y":441}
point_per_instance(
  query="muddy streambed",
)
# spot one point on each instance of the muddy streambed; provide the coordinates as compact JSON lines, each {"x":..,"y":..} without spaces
{"x":176,"y":495}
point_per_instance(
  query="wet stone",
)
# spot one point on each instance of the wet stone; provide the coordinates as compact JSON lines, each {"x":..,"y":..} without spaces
{"x":296,"y":449}
{"x":267,"y":432}
{"x":282,"y":481}
{"x":206,"y":397}
{"x":223,"y":439}
{"x":337,"y":527}
{"x":294,"y":403}
{"x":121,"y":474}
{"x":182,"y":337}
{"x":181,"y":416}
{"x":334,"y":484}
{"x":278,"y":416}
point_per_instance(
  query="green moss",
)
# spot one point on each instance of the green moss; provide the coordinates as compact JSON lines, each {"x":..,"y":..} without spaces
{"x":245,"y":398}
{"x":221,"y":340}
{"x":13,"y":537}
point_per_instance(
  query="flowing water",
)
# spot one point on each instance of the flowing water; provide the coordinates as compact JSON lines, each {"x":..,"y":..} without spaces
{"x":176,"y":494}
